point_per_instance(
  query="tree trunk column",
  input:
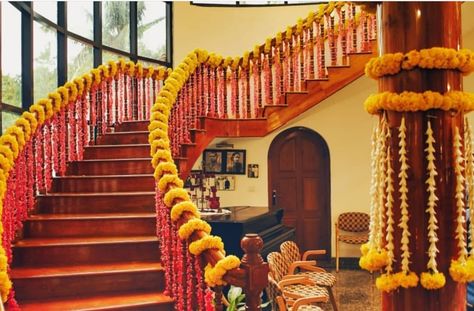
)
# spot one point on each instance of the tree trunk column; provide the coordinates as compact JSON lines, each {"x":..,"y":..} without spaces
{"x":410,"y":26}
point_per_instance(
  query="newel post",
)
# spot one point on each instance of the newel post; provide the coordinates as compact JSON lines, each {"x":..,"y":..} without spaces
{"x":256,"y":270}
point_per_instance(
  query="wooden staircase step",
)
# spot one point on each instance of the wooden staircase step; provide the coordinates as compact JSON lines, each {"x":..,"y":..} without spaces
{"x":129,"y":126}
{"x":42,"y":283}
{"x":89,"y":225}
{"x":108,"y":202}
{"x":129,"y":301}
{"x":111,"y":167}
{"x":117,"y":151}
{"x":107,"y":183}
{"x":123,"y":138}
{"x":44,"y":252}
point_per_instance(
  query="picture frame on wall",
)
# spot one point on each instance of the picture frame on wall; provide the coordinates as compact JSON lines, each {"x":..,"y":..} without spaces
{"x":225,"y":183}
{"x":224,"y":161}
{"x":214,"y":161}
{"x":252,"y":170}
{"x":235,"y":162}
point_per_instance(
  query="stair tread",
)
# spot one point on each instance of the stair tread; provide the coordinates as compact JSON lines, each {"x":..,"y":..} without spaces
{"x":128,"y":132}
{"x":118,"y":146}
{"x":118,"y":159}
{"x":35,"y":242}
{"x":104,"y":176}
{"x":89,"y":194}
{"x":101,"y":302}
{"x":42,"y":272}
{"x":90,"y":216}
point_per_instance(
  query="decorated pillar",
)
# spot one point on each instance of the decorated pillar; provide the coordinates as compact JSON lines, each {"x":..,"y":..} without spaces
{"x":421,"y":159}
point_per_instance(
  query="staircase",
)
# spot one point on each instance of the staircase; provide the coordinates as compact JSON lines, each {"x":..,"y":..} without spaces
{"x":92,"y":244}
{"x":290,"y":106}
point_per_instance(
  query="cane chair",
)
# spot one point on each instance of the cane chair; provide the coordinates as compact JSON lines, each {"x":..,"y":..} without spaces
{"x":303,"y":287}
{"x":295,"y":261}
{"x":289,"y":302}
{"x":356,"y":230}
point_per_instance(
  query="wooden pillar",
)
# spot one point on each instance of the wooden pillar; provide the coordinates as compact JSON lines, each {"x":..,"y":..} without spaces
{"x":417,"y":25}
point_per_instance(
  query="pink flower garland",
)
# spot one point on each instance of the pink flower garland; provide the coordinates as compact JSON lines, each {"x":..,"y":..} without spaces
{"x":266,"y":80}
{"x":221,"y":90}
{"x":48,"y":155}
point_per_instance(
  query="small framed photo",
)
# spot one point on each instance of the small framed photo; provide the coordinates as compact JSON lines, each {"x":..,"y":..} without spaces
{"x":252,"y":171}
{"x":225,"y":183}
{"x":235,"y":162}
{"x":214,"y":161}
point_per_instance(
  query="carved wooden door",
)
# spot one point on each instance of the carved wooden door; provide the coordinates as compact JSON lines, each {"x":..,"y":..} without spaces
{"x":299,"y":182}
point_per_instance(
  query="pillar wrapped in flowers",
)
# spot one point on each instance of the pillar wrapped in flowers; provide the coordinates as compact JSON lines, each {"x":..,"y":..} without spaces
{"x":422,"y":160}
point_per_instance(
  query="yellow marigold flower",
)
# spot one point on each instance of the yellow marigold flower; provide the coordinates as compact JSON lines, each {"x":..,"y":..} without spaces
{"x":161,"y":156}
{"x":256,"y":51}
{"x":96,"y":78}
{"x":245,"y":60}
{"x":386,"y":283}
{"x":10,"y":141}
{"x":48,"y":107}
{"x":278,"y":38}
{"x":202,"y":55}
{"x":227,"y":61}
{"x":168,"y":179}
{"x":5,"y":286}
{"x":39,"y":113}
{"x":24,"y":124}
{"x":139,"y":70}
{"x":364,"y":249}
{"x":180,"y":208}
{"x":30,"y":117}
{"x":158,"y":125}
{"x":162,"y":105}
{"x":235,"y":63}
{"x":113,"y":68}
{"x":406,"y":280}
{"x":310,"y":19}
{"x":299,"y":26}
{"x":173,"y":194}
{"x":131,"y":68}
{"x":196,"y":224}
{"x":432,"y":280}
{"x":460,"y":271}
{"x":159,"y":144}
{"x":72,"y":90}
{"x":149,"y":72}
{"x":87,"y":82}
{"x":5,"y":163}
{"x":289,"y":33}
{"x":208,"y":242}
{"x":268,"y":46}
{"x":374,"y":260}
{"x":64,"y":92}
{"x":157,"y":134}
{"x":164,"y":168}
{"x":17,"y":132}
{"x":214,"y":276}
{"x":159,"y":116}
{"x":122,"y":64}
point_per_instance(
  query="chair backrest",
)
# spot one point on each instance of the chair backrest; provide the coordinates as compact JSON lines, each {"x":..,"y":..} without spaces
{"x":290,"y":252}
{"x":353,"y":221}
{"x":273,"y":291}
{"x":278,"y":265}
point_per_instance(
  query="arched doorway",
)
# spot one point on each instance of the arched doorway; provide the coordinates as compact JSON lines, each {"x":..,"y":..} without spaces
{"x":299,"y":182}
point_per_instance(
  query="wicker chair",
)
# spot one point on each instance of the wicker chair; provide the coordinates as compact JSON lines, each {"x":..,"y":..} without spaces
{"x":300,"y":265}
{"x":298,"y":287}
{"x":288,"y":302}
{"x":356,"y":230}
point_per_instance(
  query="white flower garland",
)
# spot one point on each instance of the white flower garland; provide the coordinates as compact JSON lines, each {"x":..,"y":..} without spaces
{"x":373,"y":227}
{"x":458,"y":169}
{"x":389,"y":207}
{"x":432,"y":199}
{"x":470,"y":180}
{"x":381,"y":163}
{"x":403,"y":190}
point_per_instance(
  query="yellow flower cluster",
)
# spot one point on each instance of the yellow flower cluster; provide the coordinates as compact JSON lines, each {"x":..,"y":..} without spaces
{"x":390,"y":282}
{"x":173,"y":194}
{"x":462,"y":271}
{"x":432,"y":281}
{"x":187,"y":229}
{"x":182,"y":207}
{"x":373,"y":260}
{"x":169,"y":179}
{"x":207,"y":242}
{"x":411,"y":101}
{"x":433,"y":58}
{"x":214,"y":275}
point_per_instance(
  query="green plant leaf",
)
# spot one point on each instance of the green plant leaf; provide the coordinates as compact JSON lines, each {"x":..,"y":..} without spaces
{"x":234,"y":293}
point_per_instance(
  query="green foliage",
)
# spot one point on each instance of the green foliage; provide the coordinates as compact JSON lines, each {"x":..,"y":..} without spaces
{"x":11,"y":90}
{"x":237,"y":300}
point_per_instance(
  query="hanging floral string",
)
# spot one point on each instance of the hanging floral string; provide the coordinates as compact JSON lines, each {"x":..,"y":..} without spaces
{"x":469,"y":157}
{"x":406,"y":278}
{"x":432,"y":279}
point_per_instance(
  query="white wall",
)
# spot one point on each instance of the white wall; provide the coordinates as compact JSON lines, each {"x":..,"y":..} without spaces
{"x":340,"y":119}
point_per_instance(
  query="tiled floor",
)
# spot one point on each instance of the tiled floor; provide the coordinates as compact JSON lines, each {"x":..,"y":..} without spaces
{"x":355,"y":291}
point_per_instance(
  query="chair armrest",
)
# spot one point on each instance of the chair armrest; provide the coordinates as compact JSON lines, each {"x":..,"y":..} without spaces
{"x":307,"y":301}
{"x":292,"y":277}
{"x":313,"y":252}
{"x":301,"y":264}
{"x":295,"y":280}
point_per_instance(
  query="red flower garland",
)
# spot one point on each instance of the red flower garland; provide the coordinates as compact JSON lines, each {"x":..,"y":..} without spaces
{"x":48,"y":155}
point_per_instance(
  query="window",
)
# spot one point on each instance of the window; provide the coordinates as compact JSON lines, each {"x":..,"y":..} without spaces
{"x":8,"y":118}
{"x":47,"y":9}
{"x":45,"y":60}
{"x":79,"y":58}
{"x":108,"y":56}
{"x":80,"y":18}
{"x":152,"y":29}
{"x":116,"y":25}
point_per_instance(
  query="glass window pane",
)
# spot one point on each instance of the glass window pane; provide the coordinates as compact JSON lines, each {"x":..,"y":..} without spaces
{"x":48,"y":9}
{"x":80,"y":18}
{"x":116,"y":24}
{"x":45,"y":60}
{"x":260,"y":2}
{"x":214,"y":2}
{"x":11,"y":55}
{"x":108,"y":56}
{"x":152,"y":29}
{"x":79,"y":58}
{"x":8,"y":118}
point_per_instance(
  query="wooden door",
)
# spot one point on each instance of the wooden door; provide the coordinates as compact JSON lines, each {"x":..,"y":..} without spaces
{"x":299,"y":182}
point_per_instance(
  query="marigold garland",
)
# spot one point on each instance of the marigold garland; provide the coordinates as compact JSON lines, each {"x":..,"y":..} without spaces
{"x":411,"y":101}
{"x":161,"y":156}
{"x":159,"y":116}
{"x":214,"y":275}
{"x":387,"y":282}
{"x":433,"y":58}
{"x":8,"y":154}
{"x":432,"y":281}
{"x":25,"y":126}
{"x":159,"y":144}
{"x":158,"y":125}
{"x":157,"y":134}
{"x":39,"y":111}
{"x":181,"y":207}
{"x":173,"y":194}
{"x":17,"y":132}
{"x":374,"y":260}
{"x":64,"y":95}
{"x":406,"y":279}
{"x":48,"y":107}
{"x":164,"y":167}
{"x":12,"y":142}
{"x":187,"y":229}
{"x":56,"y":100}
{"x":30,"y":117}
{"x":205,"y":243}
{"x":168,"y":179}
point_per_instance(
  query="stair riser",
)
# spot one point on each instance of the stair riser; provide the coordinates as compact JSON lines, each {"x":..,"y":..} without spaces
{"x":116,"y":184}
{"x":132,"y":126}
{"x":117,"y":152}
{"x":96,"y":204}
{"x":154,"y":306}
{"x":70,"y":286}
{"x":110,"y":167}
{"x":148,"y":307}
{"x":69,"y":255}
{"x":90,"y":228}
{"x":123,"y":139}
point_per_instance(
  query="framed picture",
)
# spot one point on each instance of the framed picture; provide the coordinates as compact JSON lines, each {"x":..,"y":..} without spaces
{"x":235,"y":162}
{"x":214,"y":161}
{"x":252,"y":171}
{"x":225,"y":183}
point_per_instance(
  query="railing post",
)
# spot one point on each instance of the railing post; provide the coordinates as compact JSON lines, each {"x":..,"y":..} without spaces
{"x":256,"y":270}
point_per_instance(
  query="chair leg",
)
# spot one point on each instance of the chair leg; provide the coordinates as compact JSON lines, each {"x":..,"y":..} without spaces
{"x":332,"y":299}
{"x":337,"y":256}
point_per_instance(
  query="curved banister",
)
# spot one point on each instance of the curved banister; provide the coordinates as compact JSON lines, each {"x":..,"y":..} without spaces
{"x":55,"y":130}
{"x":209,"y":85}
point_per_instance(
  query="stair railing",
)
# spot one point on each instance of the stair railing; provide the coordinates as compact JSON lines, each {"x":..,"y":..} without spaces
{"x":207,"y":85}
{"x":55,"y":131}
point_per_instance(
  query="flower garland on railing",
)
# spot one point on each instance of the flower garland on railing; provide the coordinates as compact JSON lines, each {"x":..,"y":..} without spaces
{"x":26,"y":149}
{"x":434,"y":58}
{"x":432,"y":279}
